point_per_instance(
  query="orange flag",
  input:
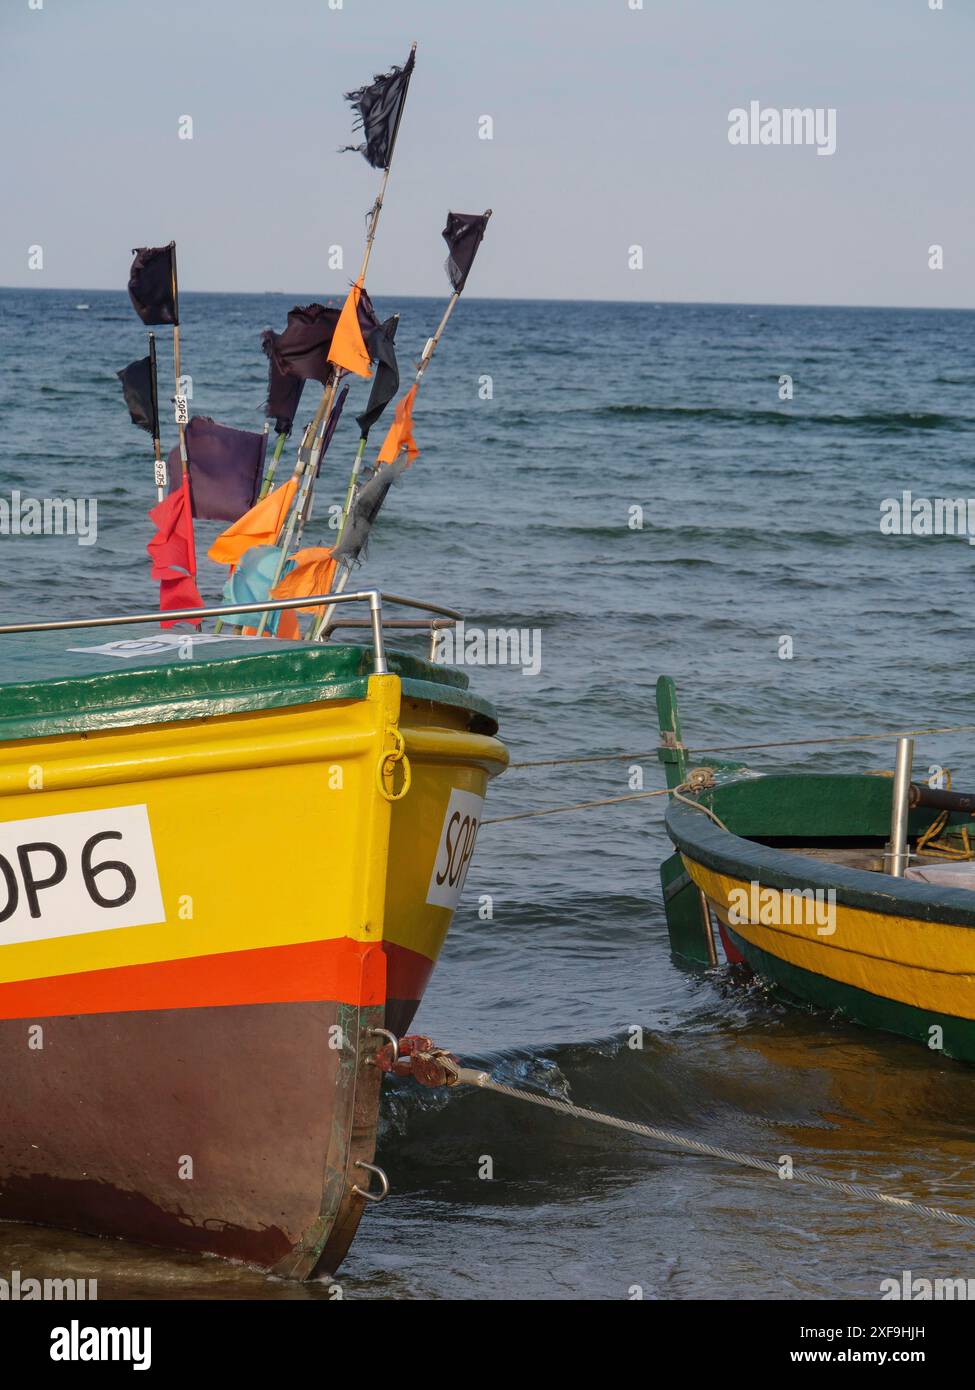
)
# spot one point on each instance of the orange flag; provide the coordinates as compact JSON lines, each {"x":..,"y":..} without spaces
{"x":348,"y":349}
{"x":400,"y":434}
{"x":313,"y":574}
{"x":260,"y":526}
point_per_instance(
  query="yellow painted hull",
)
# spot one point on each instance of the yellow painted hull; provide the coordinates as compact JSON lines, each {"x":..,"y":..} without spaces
{"x":927,"y":965}
{"x":187,"y":1024}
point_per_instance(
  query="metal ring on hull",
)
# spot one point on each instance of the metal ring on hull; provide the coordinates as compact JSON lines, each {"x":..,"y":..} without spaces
{"x":383,"y":1182}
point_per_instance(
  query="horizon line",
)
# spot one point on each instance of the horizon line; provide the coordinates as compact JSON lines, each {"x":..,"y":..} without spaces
{"x":536,"y":299}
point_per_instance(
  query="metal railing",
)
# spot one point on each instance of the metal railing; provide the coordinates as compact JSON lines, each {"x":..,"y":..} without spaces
{"x":374,"y":597}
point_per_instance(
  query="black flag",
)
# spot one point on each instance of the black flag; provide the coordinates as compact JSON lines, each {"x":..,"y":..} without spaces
{"x":302,"y":349}
{"x":152,"y":284}
{"x":385,"y":383}
{"x":366,"y":508}
{"x":283,"y":389}
{"x":379,"y":109}
{"x":463,"y":234}
{"x":138,"y":387}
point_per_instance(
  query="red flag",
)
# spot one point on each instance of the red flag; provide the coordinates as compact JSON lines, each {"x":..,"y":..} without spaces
{"x":173,"y":552}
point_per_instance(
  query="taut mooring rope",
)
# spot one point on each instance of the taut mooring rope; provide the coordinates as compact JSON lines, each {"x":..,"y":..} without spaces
{"x":572,"y":806}
{"x":468,"y":1077}
{"x":750,"y":747}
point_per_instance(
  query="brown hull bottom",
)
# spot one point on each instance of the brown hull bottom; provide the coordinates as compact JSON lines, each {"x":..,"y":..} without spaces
{"x":235,"y":1130}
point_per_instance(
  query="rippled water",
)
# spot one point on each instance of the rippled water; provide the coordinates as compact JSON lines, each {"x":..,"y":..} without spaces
{"x":761,"y":519}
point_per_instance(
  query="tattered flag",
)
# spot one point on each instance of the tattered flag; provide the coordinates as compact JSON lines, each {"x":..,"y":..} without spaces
{"x":283,"y":389}
{"x":463,"y":234}
{"x":312,"y":572}
{"x":399,"y":436}
{"x":152,"y":284}
{"x":386,"y":381}
{"x":379,"y":107}
{"x":366,"y":508}
{"x":302,"y":349}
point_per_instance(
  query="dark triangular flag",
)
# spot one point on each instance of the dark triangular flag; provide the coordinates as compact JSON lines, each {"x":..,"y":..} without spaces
{"x":225,"y":468}
{"x":302,"y":349}
{"x":463,"y":234}
{"x":365,"y":509}
{"x":152,"y":284}
{"x":137,"y":387}
{"x":379,"y":107}
{"x":385,"y":383}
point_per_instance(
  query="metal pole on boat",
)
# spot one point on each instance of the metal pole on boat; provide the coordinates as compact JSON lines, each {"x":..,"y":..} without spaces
{"x":379,"y":666}
{"x":896,"y":853}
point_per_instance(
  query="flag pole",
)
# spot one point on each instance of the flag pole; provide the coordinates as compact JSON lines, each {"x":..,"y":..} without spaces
{"x":305,"y":470}
{"x":160,"y":467}
{"x":328,"y":395}
{"x":370,"y":238}
{"x":180,"y":425}
{"x":272,"y":467}
{"x":346,"y":566}
{"x":377,"y":207}
{"x":320,"y":626}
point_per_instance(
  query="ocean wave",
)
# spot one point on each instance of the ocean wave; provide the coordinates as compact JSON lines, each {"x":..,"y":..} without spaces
{"x":881,"y":422}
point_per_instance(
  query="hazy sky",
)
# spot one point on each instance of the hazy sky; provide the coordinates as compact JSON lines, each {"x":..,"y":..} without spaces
{"x":610,"y":130}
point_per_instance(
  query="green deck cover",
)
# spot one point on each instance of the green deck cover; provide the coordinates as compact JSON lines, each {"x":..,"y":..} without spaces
{"x":47,"y":688}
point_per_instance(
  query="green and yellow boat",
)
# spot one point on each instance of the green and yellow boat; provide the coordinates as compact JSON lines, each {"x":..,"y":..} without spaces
{"x":227,"y":868}
{"x":796,"y":875}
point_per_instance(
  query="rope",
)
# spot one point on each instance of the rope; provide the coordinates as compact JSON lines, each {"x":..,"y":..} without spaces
{"x":468,"y":1077}
{"x":698,"y":780}
{"x":749,"y":747}
{"x":573,"y":806}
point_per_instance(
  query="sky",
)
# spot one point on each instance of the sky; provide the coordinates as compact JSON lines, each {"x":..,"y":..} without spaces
{"x":610,"y":131}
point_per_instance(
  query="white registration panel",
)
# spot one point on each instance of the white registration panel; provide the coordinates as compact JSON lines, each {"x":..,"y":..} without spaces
{"x":81,"y":872}
{"x":457,"y":836}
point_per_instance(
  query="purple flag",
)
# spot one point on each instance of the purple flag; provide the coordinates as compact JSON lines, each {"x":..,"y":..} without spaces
{"x":225,"y":468}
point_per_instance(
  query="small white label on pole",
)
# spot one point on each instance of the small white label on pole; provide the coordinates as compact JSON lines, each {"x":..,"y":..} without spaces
{"x":87,"y":871}
{"x":161,"y":473}
{"x":457,"y":836}
{"x":427,"y":350}
{"x":182,"y":413}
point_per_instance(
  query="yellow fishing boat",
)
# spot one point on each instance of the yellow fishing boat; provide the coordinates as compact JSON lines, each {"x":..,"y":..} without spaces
{"x":850,"y":892}
{"x":226,"y":866}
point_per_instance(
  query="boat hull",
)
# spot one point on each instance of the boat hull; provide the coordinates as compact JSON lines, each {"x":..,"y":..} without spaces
{"x":199,"y":1075}
{"x":889,"y":954}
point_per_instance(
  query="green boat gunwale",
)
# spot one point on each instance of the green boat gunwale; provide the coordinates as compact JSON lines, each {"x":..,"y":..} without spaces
{"x":723,"y":851}
{"x":221,"y":682}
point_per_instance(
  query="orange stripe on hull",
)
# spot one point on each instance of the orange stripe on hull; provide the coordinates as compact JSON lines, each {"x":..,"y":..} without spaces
{"x":342,"y":970}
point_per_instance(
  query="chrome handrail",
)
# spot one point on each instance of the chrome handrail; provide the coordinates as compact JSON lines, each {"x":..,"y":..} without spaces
{"x":374,"y":597}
